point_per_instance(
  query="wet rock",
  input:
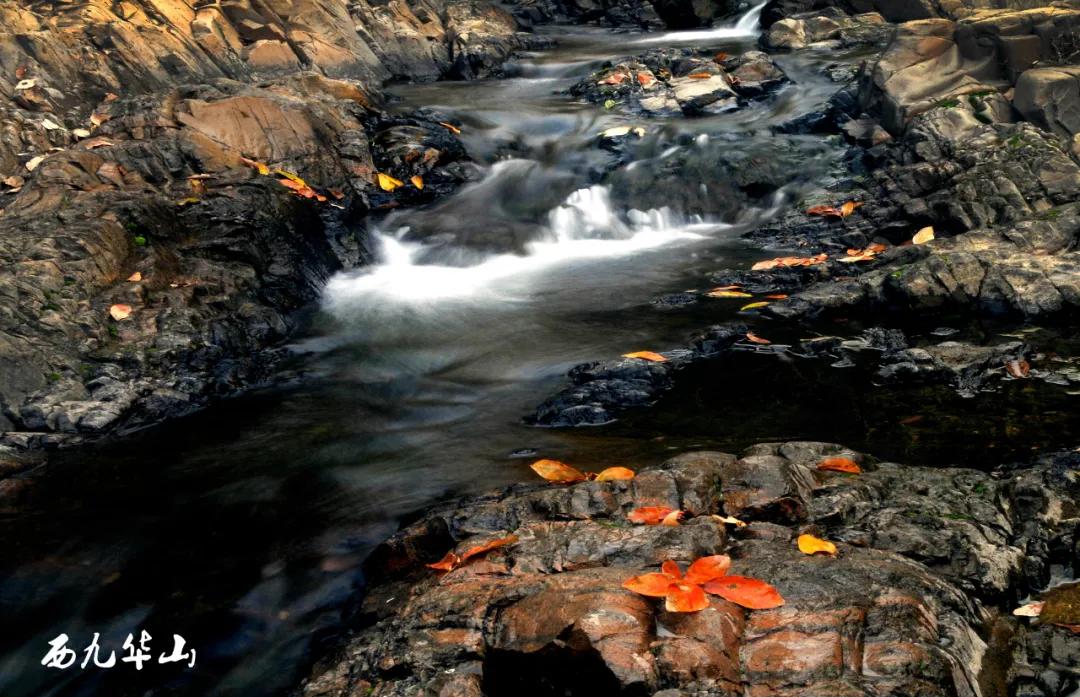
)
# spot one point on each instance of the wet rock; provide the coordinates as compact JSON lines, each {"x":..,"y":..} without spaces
{"x":802,"y":30}
{"x":926,"y":557}
{"x":664,"y":82}
{"x":601,"y":390}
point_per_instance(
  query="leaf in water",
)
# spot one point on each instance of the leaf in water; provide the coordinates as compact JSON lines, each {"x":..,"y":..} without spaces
{"x":646,"y":356}
{"x":648,"y":515}
{"x":755,"y":339}
{"x":727,"y":293}
{"x":750,"y":593}
{"x":488,"y":546}
{"x":839,"y":464}
{"x":685,"y":597}
{"x":730,"y":520}
{"x":450,"y":127}
{"x":808,"y":544}
{"x":654,"y":585}
{"x":1018,"y":368}
{"x":923,"y":236}
{"x":615,"y":473}
{"x":1030,"y":610}
{"x":135,"y":277}
{"x":671,"y":520}
{"x":555,"y":471}
{"x":705,"y":569}
{"x":388,"y":183}
{"x":120,"y":312}
{"x":417,"y":181}
{"x":753,"y":306}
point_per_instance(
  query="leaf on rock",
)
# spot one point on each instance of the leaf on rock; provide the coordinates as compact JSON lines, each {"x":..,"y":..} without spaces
{"x":648,"y":515}
{"x":700,"y":76}
{"x":1030,"y":610}
{"x":730,"y":520}
{"x":259,"y":167}
{"x":616,"y":78}
{"x":686,"y":597}
{"x":646,"y":80}
{"x":923,"y":236}
{"x":655,"y":585}
{"x":1018,"y":368}
{"x":120,"y":312}
{"x":450,"y":127}
{"x":755,"y":339}
{"x":839,"y":464}
{"x":487,"y":547}
{"x":671,"y":569}
{"x":753,"y":306}
{"x":614,"y":473}
{"x":555,"y":471}
{"x":388,"y":183}
{"x":135,"y":277}
{"x":750,"y":593}
{"x":705,"y":569}
{"x":785,"y":262}
{"x":417,"y":181}
{"x":33,"y":162}
{"x":447,"y":563}
{"x":646,"y":356}
{"x":808,"y":544}
{"x":671,"y":520}
{"x":778,"y":296}
{"x":728,"y":293}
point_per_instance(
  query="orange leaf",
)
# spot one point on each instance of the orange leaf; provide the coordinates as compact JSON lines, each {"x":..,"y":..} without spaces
{"x":488,"y":546}
{"x":386,"y":182}
{"x":672,"y":519}
{"x":646,"y":355}
{"x":613,"y":473}
{"x":653,"y":585}
{"x":778,"y":296}
{"x":849,"y":208}
{"x":686,"y":597}
{"x":120,"y":312}
{"x":706,"y":569}
{"x":256,"y":165}
{"x":750,"y":593}
{"x":645,"y":79}
{"x":755,"y":339}
{"x":555,"y":471}
{"x":840,"y":464}
{"x":135,"y":277}
{"x":699,"y":76}
{"x":613,"y":79}
{"x":721,"y":57}
{"x":789,"y":261}
{"x":648,"y":515}
{"x":808,"y":544}
{"x":1074,"y":628}
{"x":447,"y":563}
{"x":671,"y":569}
{"x":827,"y":211}
{"x":450,"y":127}
{"x":1030,"y":610}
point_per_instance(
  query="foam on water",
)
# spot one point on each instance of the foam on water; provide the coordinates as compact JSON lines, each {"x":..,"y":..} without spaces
{"x":745,"y":27}
{"x":584,"y":227}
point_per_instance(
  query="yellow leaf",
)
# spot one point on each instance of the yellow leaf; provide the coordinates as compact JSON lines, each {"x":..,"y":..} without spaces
{"x":923,"y":236}
{"x":555,"y":471}
{"x":187,"y":201}
{"x":119,"y":312}
{"x":730,"y":520}
{"x":613,"y":473}
{"x":388,"y":183}
{"x":753,"y":306}
{"x":728,"y":294}
{"x":259,"y":167}
{"x":291,"y":176}
{"x":808,"y":544}
{"x":135,"y":277}
{"x":451,"y":127}
{"x":646,"y":355}
{"x":417,"y":181}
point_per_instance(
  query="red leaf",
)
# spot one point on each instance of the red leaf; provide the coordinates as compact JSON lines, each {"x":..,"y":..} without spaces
{"x":648,"y":515}
{"x":748,"y":592}
{"x":671,"y":569}
{"x":447,"y":563}
{"x":686,"y":597}
{"x":652,"y":585}
{"x":487,"y":547}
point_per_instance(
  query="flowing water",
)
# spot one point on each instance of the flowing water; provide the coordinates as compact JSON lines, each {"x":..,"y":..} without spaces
{"x":242,"y":527}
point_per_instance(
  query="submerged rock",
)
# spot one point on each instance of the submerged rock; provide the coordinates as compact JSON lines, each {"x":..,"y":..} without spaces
{"x":665,"y":82}
{"x":927,"y":558}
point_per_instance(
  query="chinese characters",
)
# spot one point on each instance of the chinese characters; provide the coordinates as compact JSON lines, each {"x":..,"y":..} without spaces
{"x":61,"y":657}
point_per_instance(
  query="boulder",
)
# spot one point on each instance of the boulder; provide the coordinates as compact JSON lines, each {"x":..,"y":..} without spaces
{"x":1050,"y":98}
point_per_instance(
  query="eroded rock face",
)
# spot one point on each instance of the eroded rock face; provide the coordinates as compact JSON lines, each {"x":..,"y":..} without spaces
{"x":802,"y":30}
{"x":664,"y":82}
{"x":928,"y":559}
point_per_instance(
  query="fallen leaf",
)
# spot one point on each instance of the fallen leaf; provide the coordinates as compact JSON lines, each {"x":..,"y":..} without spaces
{"x":728,"y":294}
{"x":718,"y":289}
{"x":417,"y":181}
{"x":1030,"y":610}
{"x":447,"y":563}
{"x":613,"y":79}
{"x":648,"y":515}
{"x":197,"y":185}
{"x":1074,"y":628}
{"x":721,"y":57}
{"x":259,"y":167}
{"x":487,"y":547}
{"x":755,"y":339}
{"x":730,"y":520}
{"x":555,"y":471}
{"x":388,"y":183}
{"x":97,"y":142}
{"x":832,"y":212}
{"x":612,"y":474}
{"x":135,"y":277}
{"x":671,"y":520}
{"x":705,"y":569}
{"x":450,"y":127}
{"x":808,"y":544}
{"x":923,"y":236}
{"x":784,"y":262}
{"x":647,"y":356}
{"x":685,"y":597}
{"x":610,"y":104}
{"x":50,"y":125}
{"x":750,"y":593}
{"x":32,"y":164}
{"x":753,"y":306}
{"x":110,"y":97}
{"x":908,"y":421}
{"x":188,"y":201}
{"x":98,"y":118}
{"x":654,"y":585}
{"x":700,"y":76}
{"x":671,"y":569}
{"x":120,"y":312}
{"x":646,"y":80}
{"x":80,"y":132}
{"x":839,"y":464}
{"x":14,"y":181}
{"x":848,"y":208}
{"x":778,"y":296}
{"x":1018,"y":368}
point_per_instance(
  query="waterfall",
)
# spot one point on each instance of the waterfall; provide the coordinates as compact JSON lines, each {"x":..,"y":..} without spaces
{"x":746,"y":27}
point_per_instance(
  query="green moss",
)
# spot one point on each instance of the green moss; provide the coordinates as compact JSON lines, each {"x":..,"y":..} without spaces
{"x":1062,"y":605}
{"x":946,"y":104}
{"x":53,"y":377}
{"x":113,"y":331}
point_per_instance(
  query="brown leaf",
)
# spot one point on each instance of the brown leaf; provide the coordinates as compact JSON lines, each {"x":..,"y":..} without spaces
{"x":1018,"y":368}
{"x":755,"y":339}
{"x":615,"y":473}
{"x":135,"y":277}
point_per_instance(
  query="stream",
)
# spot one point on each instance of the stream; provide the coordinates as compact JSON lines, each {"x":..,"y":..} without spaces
{"x":242,"y":528}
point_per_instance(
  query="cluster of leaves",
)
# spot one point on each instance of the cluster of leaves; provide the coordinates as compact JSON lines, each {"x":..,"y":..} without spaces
{"x":687,"y":592}
{"x":291,"y":181}
{"x":562,"y":473}
{"x":844,"y":211}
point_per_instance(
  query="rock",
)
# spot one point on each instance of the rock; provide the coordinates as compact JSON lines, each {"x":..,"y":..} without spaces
{"x":927,"y":556}
{"x":664,"y":82}
{"x":802,"y":30}
{"x":1050,"y":98}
